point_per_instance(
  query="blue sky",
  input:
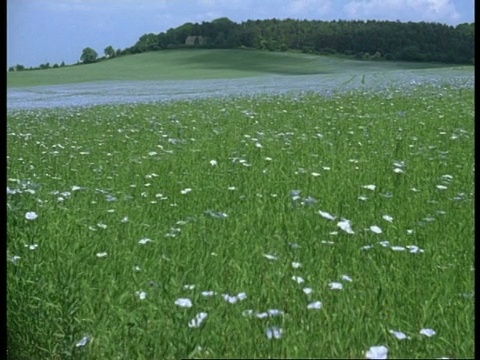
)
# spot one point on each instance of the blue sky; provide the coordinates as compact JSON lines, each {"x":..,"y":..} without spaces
{"x":40,"y":31}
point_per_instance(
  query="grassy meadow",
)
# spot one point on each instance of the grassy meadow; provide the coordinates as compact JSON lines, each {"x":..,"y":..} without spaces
{"x":203,"y":64}
{"x":266,"y":226}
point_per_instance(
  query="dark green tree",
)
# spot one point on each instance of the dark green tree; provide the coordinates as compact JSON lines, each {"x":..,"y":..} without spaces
{"x":109,"y":52}
{"x":88,"y":56}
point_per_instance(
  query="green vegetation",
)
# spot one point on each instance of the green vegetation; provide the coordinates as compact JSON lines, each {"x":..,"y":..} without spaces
{"x":191,"y":64}
{"x":366,"y":40}
{"x":88,"y":187}
{"x":361,"y":40}
{"x":88,"y":56}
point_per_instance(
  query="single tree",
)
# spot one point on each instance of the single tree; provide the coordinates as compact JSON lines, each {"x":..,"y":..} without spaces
{"x":88,"y":56}
{"x":109,"y":52}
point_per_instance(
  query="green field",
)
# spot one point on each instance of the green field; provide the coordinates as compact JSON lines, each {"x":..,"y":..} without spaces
{"x":117,"y":212}
{"x":203,"y":64}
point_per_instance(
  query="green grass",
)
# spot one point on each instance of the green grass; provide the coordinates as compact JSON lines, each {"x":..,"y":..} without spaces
{"x":265,"y":147}
{"x":202,"y":64}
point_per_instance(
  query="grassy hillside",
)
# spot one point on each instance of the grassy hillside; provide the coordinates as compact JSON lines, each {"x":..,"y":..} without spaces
{"x":200,"y":64}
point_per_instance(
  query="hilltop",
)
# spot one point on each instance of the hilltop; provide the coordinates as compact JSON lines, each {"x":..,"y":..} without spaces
{"x":193,"y":64}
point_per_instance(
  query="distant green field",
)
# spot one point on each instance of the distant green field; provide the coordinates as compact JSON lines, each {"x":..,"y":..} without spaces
{"x":202,"y":64}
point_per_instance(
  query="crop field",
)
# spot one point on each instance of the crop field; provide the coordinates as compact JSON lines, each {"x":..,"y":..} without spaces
{"x":370,"y":78}
{"x":279,"y":226}
{"x":204,"y":64}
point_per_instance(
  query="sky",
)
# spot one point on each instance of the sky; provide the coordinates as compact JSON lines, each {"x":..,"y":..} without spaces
{"x":41,"y":31}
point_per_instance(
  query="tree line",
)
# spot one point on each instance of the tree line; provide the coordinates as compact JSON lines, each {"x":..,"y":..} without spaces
{"x":363,"y":40}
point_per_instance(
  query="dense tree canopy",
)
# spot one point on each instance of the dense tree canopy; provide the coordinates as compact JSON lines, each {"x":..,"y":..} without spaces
{"x":364,"y":40}
{"x":389,"y":40}
{"x":109,"y":51}
{"x":88,"y":56}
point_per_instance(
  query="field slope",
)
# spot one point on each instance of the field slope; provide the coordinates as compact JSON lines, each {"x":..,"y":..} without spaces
{"x":201,"y":64}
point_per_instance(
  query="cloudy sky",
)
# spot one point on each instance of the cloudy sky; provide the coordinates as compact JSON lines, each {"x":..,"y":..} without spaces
{"x":40,"y":31}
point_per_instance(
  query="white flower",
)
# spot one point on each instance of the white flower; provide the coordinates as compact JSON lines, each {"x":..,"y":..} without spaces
{"x":314,"y":305}
{"x":397,"y":248}
{"x":125,"y":219}
{"x":326,"y":215}
{"x":377,"y":352}
{"x":298,"y":279}
{"x":141,"y":294}
{"x":32,"y":247}
{"x":398,"y":170}
{"x":376,"y":229}
{"x":262,"y":315}
{"x":335,"y":286}
{"x":198,"y":320}
{"x":208,"y":293}
{"x":315,"y":174}
{"x":101,"y":254}
{"x":307,"y":290}
{"x":241,"y":296}
{"x":31,"y":215}
{"x":296,"y":265}
{"x":270,"y":257}
{"x":346,"y":226}
{"x":428,"y":332}
{"x":213,"y":162}
{"x":230,"y":299}
{"x":84,"y":341}
{"x":186,"y":191}
{"x":441,"y":187}
{"x":15,"y":258}
{"x":274,"y":332}
{"x":370,"y":187}
{"x":144,"y":241}
{"x":387,"y":218}
{"x":414,"y":249}
{"x":346,"y":278}
{"x":184,"y":302}
{"x":399,"y":335}
{"x":274,"y":312}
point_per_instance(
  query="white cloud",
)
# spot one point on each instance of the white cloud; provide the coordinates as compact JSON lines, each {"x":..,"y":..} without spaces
{"x":217,"y":3}
{"x":309,"y":6}
{"x":414,"y":10}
